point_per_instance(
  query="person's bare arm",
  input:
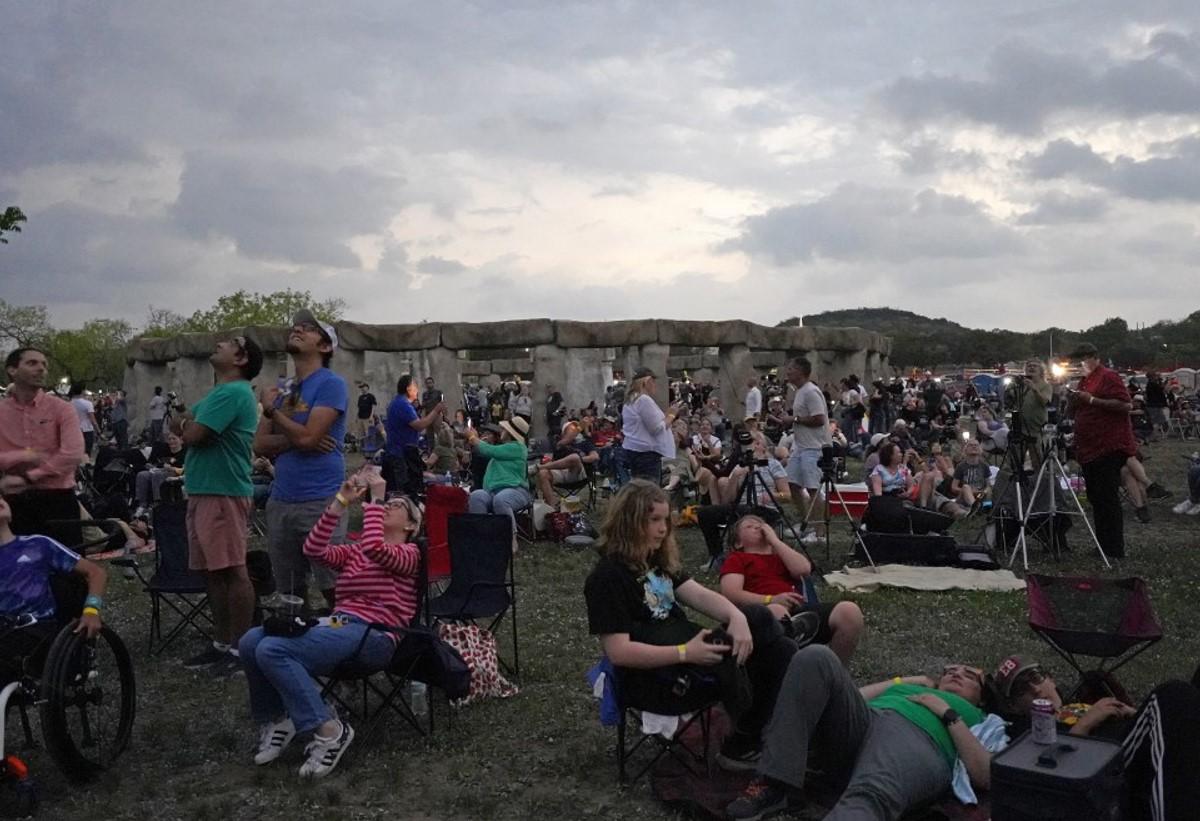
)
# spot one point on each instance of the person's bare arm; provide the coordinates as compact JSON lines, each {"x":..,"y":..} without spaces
{"x":428,"y":419}
{"x":797,"y":564}
{"x":624,"y":652}
{"x":97,"y":580}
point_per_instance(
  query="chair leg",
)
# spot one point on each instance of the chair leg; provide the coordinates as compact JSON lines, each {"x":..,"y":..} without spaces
{"x":621,"y":775}
{"x":516,"y":650}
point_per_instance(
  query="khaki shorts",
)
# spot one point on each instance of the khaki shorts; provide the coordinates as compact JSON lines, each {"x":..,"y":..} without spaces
{"x":562,"y":477}
{"x":217,"y":530}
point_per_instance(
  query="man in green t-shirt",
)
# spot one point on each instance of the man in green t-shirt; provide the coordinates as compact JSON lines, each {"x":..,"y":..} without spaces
{"x":219,"y":433}
{"x":896,"y":740}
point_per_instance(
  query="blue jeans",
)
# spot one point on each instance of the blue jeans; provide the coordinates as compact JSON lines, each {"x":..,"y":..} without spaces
{"x":507,"y":500}
{"x":280,"y":670}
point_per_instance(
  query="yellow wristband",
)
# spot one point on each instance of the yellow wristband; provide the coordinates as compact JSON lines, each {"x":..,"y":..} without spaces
{"x":91,"y":611}
{"x":767,"y":599}
{"x":342,"y":500}
{"x":682,"y":648}
{"x":897,"y":680}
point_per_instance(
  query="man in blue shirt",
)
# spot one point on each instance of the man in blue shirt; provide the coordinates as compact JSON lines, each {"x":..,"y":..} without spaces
{"x":27,"y":600}
{"x":402,"y":465}
{"x":303,"y":428}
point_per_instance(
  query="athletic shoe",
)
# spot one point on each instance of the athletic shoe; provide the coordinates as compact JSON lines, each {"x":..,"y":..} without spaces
{"x":1195,"y":511}
{"x":1143,"y":514}
{"x":740,"y":753}
{"x":805,"y":625}
{"x":324,"y":753}
{"x":1156,"y":491}
{"x":273,"y":738}
{"x":760,"y":799}
{"x":209,"y":657}
{"x":1186,"y":507}
{"x":228,"y":667}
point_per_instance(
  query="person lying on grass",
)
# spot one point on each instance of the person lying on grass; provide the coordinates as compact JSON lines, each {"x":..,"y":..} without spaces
{"x":376,"y":583}
{"x":896,"y":740}
{"x":27,"y":602}
{"x":667,"y":663}
{"x":763,"y":569}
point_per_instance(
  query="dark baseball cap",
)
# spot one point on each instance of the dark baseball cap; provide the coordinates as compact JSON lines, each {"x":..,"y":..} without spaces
{"x":1009,"y":670}
{"x":1084,"y":350}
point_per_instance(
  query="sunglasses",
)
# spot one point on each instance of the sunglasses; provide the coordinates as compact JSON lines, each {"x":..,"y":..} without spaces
{"x":973,"y":673}
{"x":1028,"y":680}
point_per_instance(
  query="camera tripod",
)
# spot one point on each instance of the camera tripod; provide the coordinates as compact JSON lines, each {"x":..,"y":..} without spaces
{"x":828,"y":490}
{"x":747,"y":496}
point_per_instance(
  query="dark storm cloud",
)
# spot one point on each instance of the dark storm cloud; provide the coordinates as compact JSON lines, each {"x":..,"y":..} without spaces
{"x":928,"y":156}
{"x":1175,"y":175}
{"x":861,"y":223}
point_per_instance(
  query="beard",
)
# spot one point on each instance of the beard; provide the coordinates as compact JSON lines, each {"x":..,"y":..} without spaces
{"x":292,"y":348}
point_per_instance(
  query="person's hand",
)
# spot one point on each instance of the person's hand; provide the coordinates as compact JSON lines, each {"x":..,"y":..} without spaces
{"x":1084,"y":397}
{"x":375,"y":483}
{"x":13,"y":483}
{"x":268,"y":395}
{"x":30,"y":458}
{"x":791,"y":600}
{"x":921,"y":681}
{"x":327,"y":444}
{"x":932,"y":703}
{"x":1100,"y":712}
{"x":351,"y":490}
{"x":699,"y":651}
{"x":739,"y":631}
{"x":440,"y":408}
{"x":89,"y":625}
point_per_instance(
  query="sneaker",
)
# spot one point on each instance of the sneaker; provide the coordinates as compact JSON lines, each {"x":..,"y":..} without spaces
{"x":325,"y":753}
{"x":1195,"y":511}
{"x":273,"y":739}
{"x":228,"y":667}
{"x":1185,"y":507}
{"x":740,"y":753}
{"x":760,"y":799}
{"x":1156,"y":491}
{"x":810,"y":537}
{"x":805,"y":626}
{"x":209,"y":657}
{"x":1143,"y":514}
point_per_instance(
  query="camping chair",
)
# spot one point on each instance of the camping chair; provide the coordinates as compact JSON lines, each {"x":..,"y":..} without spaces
{"x":1108,"y":619}
{"x":588,"y":483}
{"x":173,"y":583}
{"x":483,"y":584}
{"x":441,"y":502}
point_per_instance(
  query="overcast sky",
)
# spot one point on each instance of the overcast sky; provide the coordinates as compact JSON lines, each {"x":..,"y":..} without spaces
{"x":468,"y":161}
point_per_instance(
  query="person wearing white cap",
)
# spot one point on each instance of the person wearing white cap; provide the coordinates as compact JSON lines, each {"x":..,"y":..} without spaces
{"x":572,"y":453}
{"x":505,"y":482}
{"x":303,"y":427}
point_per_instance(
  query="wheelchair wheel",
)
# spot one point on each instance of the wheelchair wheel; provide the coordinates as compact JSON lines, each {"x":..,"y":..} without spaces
{"x":88,"y":702}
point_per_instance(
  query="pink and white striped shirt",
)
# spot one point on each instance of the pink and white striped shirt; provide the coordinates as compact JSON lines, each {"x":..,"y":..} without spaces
{"x":376,"y":581}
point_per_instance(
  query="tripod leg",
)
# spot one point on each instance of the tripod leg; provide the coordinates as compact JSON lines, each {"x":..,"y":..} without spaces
{"x":1079,"y":507}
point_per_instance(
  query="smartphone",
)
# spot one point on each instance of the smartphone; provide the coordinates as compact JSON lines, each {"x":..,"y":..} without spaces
{"x":470,"y":424}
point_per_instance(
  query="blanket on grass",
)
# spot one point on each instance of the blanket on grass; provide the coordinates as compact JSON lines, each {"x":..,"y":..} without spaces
{"x":866,"y":580}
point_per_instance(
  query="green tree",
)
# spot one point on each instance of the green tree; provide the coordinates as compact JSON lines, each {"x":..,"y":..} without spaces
{"x":94,"y":354}
{"x":243,"y":308}
{"x":11,"y":221}
{"x":164,"y":322}
{"x":22,"y":325}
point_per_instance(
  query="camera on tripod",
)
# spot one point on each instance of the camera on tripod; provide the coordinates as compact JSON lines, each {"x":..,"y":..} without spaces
{"x":745,"y":454}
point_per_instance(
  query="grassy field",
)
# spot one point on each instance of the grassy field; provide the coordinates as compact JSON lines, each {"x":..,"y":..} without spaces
{"x":543,"y":752}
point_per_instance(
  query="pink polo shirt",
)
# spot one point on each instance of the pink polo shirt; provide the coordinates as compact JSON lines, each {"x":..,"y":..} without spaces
{"x":47,"y":425}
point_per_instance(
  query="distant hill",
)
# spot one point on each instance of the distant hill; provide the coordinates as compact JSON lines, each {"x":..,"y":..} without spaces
{"x":921,"y":341}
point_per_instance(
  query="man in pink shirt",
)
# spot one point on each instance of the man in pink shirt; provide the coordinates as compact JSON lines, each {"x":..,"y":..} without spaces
{"x":40,"y":448}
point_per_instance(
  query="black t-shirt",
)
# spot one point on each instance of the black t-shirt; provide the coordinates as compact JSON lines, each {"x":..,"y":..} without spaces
{"x":366,"y":404}
{"x":621,"y":601}
{"x":974,"y":475}
{"x":161,"y":456}
{"x":582,"y":445}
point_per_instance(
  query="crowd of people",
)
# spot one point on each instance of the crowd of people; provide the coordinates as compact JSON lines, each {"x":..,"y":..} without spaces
{"x":778,"y":662}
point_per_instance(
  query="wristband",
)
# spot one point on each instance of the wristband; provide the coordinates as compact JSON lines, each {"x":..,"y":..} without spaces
{"x":93,"y":601}
{"x":682,"y":648}
{"x":91,"y":611}
{"x":767,"y":599}
{"x":341,"y":499}
{"x":897,"y":680}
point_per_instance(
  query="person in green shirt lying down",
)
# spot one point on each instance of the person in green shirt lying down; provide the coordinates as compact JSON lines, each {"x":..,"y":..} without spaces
{"x":897,"y":740}
{"x":506,"y":480}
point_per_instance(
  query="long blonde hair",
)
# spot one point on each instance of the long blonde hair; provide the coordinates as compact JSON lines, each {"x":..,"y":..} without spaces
{"x":637,"y":388}
{"x":623,"y":532}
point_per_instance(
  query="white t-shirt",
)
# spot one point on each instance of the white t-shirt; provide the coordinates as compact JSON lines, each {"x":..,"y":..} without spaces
{"x":810,"y":401}
{"x":700,"y":441}
{"x":84,"y":410}
{"x":753,"y":401}
{"x":158,"y":407}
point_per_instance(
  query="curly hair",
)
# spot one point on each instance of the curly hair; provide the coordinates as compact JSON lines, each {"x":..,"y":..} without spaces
{"x":623,"y":532}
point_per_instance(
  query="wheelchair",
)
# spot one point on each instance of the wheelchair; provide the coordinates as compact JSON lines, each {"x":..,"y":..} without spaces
{"x":83,"y":690}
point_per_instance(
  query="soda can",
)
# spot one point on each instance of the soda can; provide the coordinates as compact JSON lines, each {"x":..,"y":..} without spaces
{"x":1042,"y":724}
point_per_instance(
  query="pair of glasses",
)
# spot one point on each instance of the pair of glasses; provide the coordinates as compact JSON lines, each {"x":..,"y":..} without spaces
{"x":972,"y":672}
{"x":306,"y":327}
{"x":1028,"y":680}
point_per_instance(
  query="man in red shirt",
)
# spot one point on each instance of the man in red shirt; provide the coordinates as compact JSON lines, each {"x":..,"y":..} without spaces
{"x":41,"y":445}
{"x":1103,"y":441}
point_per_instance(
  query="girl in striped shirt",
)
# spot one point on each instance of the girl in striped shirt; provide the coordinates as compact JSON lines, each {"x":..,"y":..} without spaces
{"x":377,"y":582}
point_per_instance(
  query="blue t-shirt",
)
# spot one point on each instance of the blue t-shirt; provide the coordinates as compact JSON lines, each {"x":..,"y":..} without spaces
{"x":26,"y":564}
{"x":307,"y":475}
{"x":400,"y":432}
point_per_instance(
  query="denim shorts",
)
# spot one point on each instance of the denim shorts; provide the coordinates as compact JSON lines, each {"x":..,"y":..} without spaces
{"x":803,"y":469}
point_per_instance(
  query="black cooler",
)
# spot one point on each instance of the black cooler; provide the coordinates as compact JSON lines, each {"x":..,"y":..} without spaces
{"x":1075,"y":778}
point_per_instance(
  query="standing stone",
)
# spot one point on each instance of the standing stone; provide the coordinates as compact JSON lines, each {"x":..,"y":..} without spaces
{"x":446,"y":369}
{"x":549,"y":368}
{"x":194,"y":377}
{"x":351,"y":366}
{"x":587,"y":378}
{"x":737,"y":366}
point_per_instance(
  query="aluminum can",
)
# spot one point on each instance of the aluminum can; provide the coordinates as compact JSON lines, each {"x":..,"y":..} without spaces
{"x":1042,"y":724}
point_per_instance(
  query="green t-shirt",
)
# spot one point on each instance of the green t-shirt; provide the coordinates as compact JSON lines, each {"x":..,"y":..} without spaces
{"x":506,"y":465}
{"x":221,"y":466}
{"x":895,"y":698}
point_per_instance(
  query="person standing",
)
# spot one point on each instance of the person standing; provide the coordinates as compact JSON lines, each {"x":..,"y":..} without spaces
{"x":85,"y":410}
{"x":754,"y":403}
{"x":646,"y":428}
{"x":1103,"y":441}
{"x":218,"y":433}
{"x":810,"y":429}
{"x":431,"y":396}
{"x":41,"y":446}
{"x":366,"y":409}
{"x":303,"y":429}
{"x":555,"y":409}
{"x":120,"y":419}
{"x":158,"y":412}
{"x":403,"y":467}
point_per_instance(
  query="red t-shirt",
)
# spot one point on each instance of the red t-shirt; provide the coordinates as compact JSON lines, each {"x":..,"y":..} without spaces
{"x":765,"y":573}
{"x":1100,"y":431}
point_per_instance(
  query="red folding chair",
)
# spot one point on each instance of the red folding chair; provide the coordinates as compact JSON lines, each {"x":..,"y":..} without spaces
{"x":441,"y":502}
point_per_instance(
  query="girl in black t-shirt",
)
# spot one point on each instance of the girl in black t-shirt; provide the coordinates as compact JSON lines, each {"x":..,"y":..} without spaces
{"x":633,"y":599}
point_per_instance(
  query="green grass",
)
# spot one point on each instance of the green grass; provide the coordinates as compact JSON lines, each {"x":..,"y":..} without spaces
{"x":543,"y":752}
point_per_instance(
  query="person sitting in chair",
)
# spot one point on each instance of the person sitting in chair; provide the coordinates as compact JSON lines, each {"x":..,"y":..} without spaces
{"x":376,"y":583}
{"x":505,"y":486}
{"x":573,"y":452}
{"x":29,"y":617}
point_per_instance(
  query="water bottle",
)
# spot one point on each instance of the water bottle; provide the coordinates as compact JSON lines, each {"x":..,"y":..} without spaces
{"x":418,"y":698}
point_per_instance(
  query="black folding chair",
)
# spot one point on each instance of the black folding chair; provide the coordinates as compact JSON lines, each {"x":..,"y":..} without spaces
{"x":173,"y":584}
{"x":695,"y":707}
{"x":1108,"y":619}
{"x":588,"y":483}
{"x":483,"y":584}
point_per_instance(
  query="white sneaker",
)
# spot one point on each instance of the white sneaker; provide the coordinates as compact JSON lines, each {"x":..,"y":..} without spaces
{"x":1185,"y":506}
{"x":273,"y":739}
{"x":1195,"y":511}
{"x":324,"y":753}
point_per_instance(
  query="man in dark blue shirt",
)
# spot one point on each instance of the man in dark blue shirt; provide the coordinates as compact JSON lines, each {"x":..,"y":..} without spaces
{"x":402,"y":465}
{"x":573,"y":452}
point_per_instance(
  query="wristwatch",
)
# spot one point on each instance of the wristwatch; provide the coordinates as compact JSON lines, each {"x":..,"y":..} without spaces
{"x":950,"y":717}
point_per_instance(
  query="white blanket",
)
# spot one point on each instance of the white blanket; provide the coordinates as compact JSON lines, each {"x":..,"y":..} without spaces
{"x":866,"y":580}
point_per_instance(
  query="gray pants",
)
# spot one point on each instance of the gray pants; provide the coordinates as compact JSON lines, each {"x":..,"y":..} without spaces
{"x":288,"y":525}
{"x":893,"y":765}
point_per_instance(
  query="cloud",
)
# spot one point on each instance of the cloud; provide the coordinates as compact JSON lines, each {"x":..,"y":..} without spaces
{"x":1175,"y":175}
{"x":440,"y":266}
{"x":1057,"y":208}
{"x":862,"y":223}
{"x":927,"y":156}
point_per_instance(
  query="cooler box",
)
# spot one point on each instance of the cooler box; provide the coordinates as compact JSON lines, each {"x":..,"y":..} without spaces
{"x":1076,"y":779}
{"x":441,"y":501}
{"x":855,"y":497}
